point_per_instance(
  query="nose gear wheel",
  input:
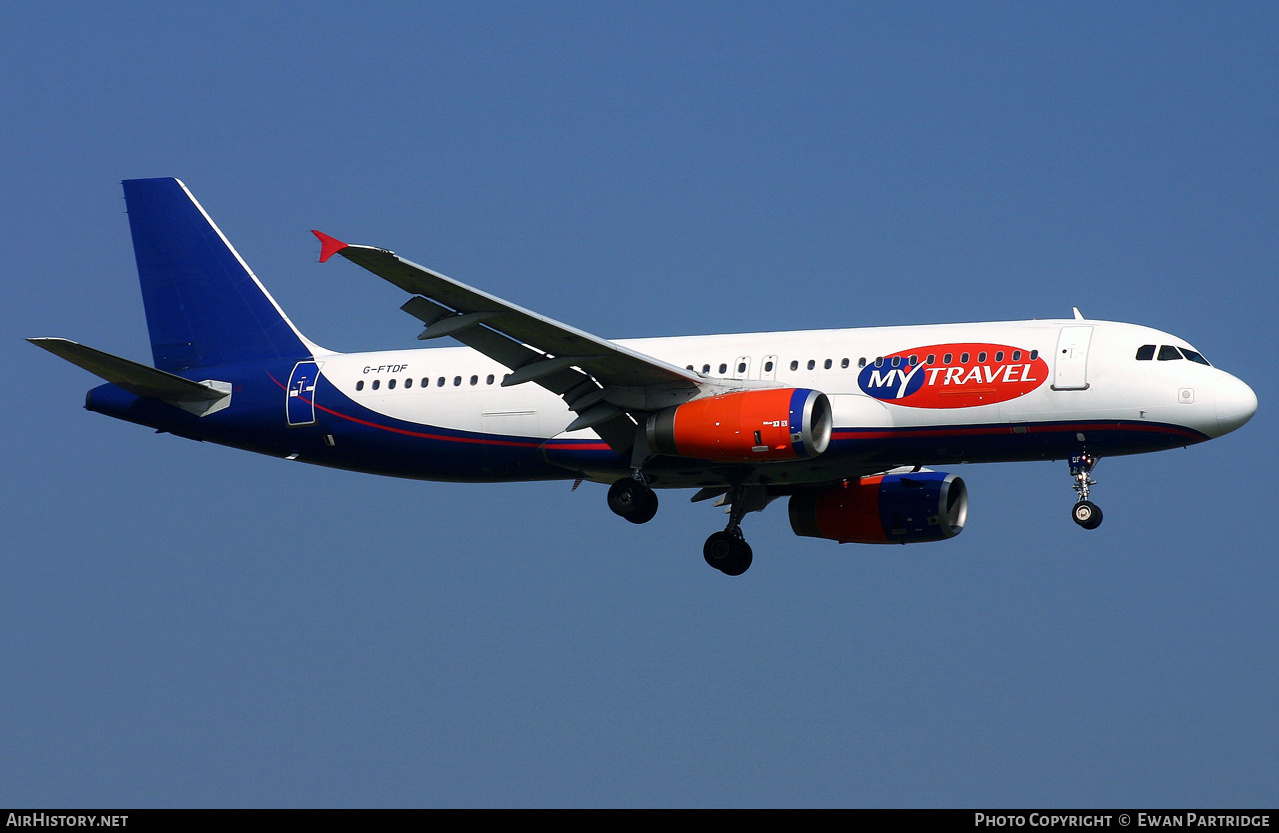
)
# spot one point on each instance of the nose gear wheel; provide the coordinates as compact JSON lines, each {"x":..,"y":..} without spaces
{"x":1085,"y":513}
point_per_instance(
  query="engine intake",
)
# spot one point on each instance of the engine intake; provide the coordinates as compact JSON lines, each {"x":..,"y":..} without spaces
{"x":884,"y":509}
{"x":749,"y":426}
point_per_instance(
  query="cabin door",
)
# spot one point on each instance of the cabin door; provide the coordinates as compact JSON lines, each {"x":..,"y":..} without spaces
{"x":301,"y":394}
{"x":1070,"y":370}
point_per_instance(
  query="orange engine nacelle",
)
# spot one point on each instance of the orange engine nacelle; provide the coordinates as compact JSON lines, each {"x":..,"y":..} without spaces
{"x":749,"y":426}
{"x":884,"y":509}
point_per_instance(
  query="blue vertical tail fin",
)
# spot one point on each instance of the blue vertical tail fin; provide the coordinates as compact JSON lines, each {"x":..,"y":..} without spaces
{"x":204,"y":305}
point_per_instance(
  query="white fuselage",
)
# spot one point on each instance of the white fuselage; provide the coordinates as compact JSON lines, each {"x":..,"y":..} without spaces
{"x":960,"y":393}
{"x":457,"y":388}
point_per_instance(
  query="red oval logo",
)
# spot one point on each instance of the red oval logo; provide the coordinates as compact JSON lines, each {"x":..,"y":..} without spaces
{"x":954,"y":375}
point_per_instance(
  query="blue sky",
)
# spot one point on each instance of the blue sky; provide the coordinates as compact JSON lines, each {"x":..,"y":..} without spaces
{"x":187,"y":625}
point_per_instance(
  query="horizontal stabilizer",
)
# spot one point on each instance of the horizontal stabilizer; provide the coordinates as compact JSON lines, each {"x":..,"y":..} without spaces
{"x":137,"y":379}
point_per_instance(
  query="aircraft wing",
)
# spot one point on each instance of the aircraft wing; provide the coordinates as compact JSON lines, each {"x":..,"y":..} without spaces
{"x":586,"y":370}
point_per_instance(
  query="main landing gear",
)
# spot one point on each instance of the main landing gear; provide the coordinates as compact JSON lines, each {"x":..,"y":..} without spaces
{"x":1085,"y":513}
{"x":728,"y":551}
{"x":633,"y":499}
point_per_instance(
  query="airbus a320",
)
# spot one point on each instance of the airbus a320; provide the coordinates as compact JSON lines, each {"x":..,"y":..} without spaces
{"x":843,"y":424}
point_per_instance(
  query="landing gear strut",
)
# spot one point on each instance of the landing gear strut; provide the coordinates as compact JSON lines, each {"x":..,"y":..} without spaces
{"x":728,"y":551}
{"x":1085,"y":513}
{"x":633,"y":499}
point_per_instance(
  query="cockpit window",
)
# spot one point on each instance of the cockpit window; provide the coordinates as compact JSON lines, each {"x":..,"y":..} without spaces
{"x":1168,"y":353}
{"x":1193,"y":356}
{"x":1145,"y":352}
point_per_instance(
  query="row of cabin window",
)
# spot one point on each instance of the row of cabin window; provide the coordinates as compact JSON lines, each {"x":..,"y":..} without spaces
{"x":723,"y":368}
{"x":1168,"y":353}
{"x":895,"y":361}
{"x":426,"y":382}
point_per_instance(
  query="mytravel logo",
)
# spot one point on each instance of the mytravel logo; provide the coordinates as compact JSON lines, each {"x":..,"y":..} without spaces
{"x":954,"y":375}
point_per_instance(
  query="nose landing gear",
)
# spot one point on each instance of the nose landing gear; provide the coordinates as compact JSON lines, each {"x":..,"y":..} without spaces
{"x":1085,"y":513}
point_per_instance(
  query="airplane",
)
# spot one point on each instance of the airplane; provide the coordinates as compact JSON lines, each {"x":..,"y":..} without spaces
{"x":842,"y":423}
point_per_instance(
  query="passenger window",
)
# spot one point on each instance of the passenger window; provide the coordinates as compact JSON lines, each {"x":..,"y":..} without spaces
{"x":489,"y":380}
{"x":723,"y":368}
{"x":1016,"y":355}
{"x":879,"y":361}
{"x":377,"y":383}
{"x":963,"y":358}
{"x":1168,"y":353}
{"x":741,"y":367}
{"x":768,"y":367}
{"x":426,"y":381}
{"x":811,"y":364}
{"x":1034,"y":354}
{"x":408,"y":383}
{"x":794,"y":365}
{"x":861,"y":362}
{"x":827,"y":364}
{"x":897,"y":361}
{"x":981,"y":357}
{"x":440,"y":382}
{"x":475,"y":380}
{"x":1145,"y":352}
{"x":912,"y":361}
{"x":457,"y":381}
{"x":843,"y":364}
{"x":359,"y":385}
{"x":932,"y":359}
{"x":946,"y":358}
{"x":999,"y":356}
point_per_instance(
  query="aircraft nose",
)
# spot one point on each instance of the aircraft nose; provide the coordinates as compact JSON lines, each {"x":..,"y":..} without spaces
{"x":1236,"y":403}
